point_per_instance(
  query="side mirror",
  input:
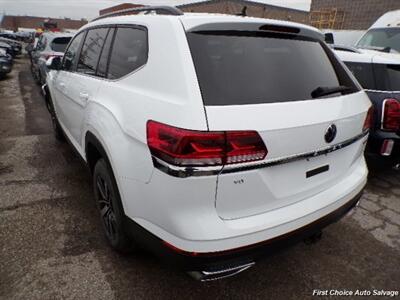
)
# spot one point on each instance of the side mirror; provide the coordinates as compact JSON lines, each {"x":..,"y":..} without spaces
{"x":329,"y":39}
{"x":54,"y":63}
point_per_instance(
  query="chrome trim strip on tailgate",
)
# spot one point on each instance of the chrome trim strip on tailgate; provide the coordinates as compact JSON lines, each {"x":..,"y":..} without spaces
{"x":184,"y":172}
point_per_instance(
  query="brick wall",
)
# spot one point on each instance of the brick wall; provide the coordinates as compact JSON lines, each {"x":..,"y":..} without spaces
{"x":254,"y":9}
{"x":359,"y":14}
{"x":118,"y":7}
{"x":13,"y":22}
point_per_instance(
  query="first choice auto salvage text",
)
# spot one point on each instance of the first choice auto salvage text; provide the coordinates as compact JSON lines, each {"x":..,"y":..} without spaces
{"x":375,"y":292}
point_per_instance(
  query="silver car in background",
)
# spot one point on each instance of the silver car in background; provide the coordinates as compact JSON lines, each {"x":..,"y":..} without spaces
{"x":50,"y":44}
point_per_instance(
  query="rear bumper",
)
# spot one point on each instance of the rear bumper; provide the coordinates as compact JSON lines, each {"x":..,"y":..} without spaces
{"x":243,"y":256}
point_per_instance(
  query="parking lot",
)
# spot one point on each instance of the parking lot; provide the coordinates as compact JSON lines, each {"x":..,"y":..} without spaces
{"x":52,"y":244}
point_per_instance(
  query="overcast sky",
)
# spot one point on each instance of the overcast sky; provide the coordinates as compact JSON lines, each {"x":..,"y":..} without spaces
{"x":90,"y":8}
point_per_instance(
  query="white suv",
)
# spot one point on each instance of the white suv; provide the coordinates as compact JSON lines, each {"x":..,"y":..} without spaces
{"x":212,"y":139}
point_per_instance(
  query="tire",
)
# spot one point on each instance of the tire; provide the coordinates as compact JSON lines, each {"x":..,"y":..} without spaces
{"x":108,"y":202}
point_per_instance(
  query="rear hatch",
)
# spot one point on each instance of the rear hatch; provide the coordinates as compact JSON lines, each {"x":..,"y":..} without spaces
{"x":263,"y":81}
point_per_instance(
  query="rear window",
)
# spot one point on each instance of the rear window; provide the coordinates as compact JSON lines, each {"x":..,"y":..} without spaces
{"x":379,"y":77}
{"x":242,"y":67}
{"x":364,"y":74}
{"x":59,"y":44}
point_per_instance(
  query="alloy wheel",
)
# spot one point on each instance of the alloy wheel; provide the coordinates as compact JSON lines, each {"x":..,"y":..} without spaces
{"x":105,"y":204}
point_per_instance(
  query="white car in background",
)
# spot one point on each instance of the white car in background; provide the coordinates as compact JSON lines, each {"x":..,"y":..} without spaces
{"x":212,"y":139}
{"x":384,"y":34}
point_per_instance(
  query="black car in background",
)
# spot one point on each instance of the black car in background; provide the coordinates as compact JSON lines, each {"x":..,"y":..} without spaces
{"x":7,"y":48}
{"x":6,"y":64}
{"x":15,"y":45}
{"x":379,"y":74}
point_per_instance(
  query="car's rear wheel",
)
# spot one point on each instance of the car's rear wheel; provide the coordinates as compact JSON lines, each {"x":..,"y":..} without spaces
{"x":110,"y":207}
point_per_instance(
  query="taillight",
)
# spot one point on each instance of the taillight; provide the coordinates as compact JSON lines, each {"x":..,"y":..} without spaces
{"x":391,"y":115}
{"x":184,"y":147}
{"x":369,"y":120}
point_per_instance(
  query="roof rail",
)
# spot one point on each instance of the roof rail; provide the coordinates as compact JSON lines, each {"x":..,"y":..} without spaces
{"x":162,"y":10}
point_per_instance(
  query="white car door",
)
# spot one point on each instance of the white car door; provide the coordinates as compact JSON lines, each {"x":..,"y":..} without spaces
{"x":85,"y":81}
{"x":61,"y":86}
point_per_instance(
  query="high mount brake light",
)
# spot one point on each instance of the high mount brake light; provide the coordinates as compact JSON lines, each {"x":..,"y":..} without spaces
{"x":391,"y":115}
{"x":369,"y":120}
{"x":182,"y":147}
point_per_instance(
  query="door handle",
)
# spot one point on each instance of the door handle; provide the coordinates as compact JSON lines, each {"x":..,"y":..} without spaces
{"x":84,"y":96}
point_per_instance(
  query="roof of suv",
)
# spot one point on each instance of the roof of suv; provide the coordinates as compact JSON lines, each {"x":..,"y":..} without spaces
{"x":191,"y":20}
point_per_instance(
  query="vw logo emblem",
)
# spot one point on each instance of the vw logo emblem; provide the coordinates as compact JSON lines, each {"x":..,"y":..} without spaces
{"x":330,"y":133}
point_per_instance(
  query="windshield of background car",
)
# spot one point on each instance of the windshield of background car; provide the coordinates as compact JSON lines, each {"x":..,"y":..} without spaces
{"x":246,"y":67}
{"x":381,"y":38}
{"x":59,"y":44}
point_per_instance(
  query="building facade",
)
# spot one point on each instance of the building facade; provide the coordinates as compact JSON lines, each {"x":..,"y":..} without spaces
{"x":118,"y":7}
{"x":253,"y":9}
{"x":15,"y":22}
{"x":350,"y":14}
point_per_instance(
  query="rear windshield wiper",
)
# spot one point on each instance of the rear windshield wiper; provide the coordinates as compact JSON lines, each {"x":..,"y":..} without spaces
{"x":328,"y":90}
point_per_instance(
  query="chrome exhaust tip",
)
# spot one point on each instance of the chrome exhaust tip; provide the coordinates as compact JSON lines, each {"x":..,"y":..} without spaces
{"x":220,"y":273}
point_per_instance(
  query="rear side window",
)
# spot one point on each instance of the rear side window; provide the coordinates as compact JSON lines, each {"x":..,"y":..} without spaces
{"x":71,"y":55}
{"x":129,"y":51}
{"x":102,"y":66}
{"x":59,"y":44}
{"x":91,"y":50}
{"x":364,"y":74}
{"x":242,"y":67}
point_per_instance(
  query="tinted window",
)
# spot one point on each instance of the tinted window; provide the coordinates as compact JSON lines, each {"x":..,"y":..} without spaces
{"x":241,"y":67}
{"x":102,"y":66}
{"x":387,"y":77}
{"x":91,"y":49}
{"x":388,"y":38}
{"x":364,"y":74}
{"x":71,"y":55}
{"x":129,"y":51}
{"x":59,"y":44}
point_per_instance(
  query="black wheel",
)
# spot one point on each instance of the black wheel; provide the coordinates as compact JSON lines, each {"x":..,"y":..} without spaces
{"x":109,"y":205}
